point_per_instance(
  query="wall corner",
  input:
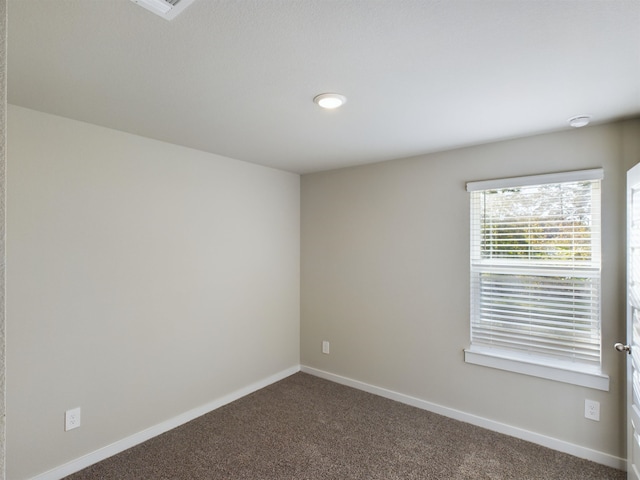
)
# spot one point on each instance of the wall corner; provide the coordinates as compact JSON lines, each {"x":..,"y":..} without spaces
{"x":3,"y":150}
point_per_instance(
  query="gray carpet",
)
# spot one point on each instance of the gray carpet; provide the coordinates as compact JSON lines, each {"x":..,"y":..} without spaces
{"x":304,"y":427}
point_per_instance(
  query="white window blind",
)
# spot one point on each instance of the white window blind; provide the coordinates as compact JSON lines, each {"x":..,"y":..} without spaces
{"x":535,"y":267}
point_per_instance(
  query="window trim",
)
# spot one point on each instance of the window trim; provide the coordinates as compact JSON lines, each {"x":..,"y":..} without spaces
{"x":561,"y":177}
{"x":551,"y":370}
{"x":521,"y":362}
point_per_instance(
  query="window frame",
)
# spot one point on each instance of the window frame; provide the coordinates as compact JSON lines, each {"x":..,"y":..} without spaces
{"x":590,"y":376}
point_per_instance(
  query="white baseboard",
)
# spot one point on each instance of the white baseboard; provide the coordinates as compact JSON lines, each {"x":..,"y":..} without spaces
{"x":545,"y":441}
{"x":133,"y":440}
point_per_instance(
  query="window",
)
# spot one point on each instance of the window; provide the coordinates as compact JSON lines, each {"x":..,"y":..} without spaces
{"x":535,"y":276}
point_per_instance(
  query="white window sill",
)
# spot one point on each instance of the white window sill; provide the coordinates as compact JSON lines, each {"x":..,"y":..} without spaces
{"x":550,"y":370}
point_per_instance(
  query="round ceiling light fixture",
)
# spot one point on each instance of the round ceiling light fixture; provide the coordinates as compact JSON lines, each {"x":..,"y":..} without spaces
{"x":330,"y":100}
{"x":579,"y":121}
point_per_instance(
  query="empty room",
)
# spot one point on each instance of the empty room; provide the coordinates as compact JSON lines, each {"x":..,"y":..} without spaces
{"x":320,"y":239}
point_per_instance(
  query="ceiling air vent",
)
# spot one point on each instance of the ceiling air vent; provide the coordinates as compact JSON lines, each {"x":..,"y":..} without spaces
{"x":167,"y":9}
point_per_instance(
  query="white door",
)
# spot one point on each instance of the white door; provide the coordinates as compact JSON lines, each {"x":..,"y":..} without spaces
{"x":633,"y":323}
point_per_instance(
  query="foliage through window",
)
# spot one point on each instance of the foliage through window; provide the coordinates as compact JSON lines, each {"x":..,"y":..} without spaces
{"x":535,"y":268}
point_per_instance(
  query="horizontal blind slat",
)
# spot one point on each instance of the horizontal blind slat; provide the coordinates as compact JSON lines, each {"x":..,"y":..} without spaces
{"x":584,"y":350}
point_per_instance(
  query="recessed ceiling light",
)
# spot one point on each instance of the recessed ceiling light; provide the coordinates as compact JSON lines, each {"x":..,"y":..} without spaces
{"x":330,"y":100}
{"x":579,"y":121}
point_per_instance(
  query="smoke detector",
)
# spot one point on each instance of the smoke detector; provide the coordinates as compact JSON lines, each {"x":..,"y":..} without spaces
{"x":579,"y":121}
{"x":167,"y":9}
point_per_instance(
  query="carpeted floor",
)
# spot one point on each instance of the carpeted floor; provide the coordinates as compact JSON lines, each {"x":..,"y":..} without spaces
{"x":306,"y":428}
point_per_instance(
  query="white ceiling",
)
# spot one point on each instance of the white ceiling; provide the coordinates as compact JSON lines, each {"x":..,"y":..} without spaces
{"x":237,"y":77}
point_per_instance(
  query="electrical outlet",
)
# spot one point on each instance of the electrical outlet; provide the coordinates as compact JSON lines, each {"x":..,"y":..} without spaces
{"x":592,"y":410}
{"x":71,"y":419}
{"x":325,"y":347}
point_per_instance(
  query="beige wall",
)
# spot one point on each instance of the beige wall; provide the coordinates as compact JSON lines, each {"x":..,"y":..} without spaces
{"x":385,"y":278}
{"x":144,"y":280}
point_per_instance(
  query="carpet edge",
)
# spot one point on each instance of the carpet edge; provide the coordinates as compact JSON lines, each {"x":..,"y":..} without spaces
{"x":527,"y":435}
{"x":107,"y":451}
